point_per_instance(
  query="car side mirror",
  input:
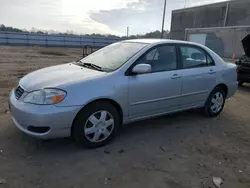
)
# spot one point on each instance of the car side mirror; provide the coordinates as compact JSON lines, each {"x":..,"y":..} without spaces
{"x":141,"y":69}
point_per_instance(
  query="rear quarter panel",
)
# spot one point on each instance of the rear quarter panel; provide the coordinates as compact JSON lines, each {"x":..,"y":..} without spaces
{"x":228,"y":76}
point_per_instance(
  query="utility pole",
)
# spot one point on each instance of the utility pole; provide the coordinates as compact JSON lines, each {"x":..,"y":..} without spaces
{"x":226,"y":14}
{"x":163,"y":18}
{"x":185,"y":4}
{"x":127,"y":32}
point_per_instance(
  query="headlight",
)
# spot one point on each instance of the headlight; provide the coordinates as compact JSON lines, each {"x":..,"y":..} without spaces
{"x":45,"y":96}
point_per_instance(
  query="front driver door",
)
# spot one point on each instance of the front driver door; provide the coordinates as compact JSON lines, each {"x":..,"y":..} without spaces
{"x":159,"y":91}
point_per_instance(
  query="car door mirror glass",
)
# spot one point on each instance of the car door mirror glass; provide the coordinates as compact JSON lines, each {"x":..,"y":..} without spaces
{"x":142,"y":69}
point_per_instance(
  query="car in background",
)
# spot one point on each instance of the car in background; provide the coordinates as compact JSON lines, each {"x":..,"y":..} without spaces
{"x":243,"y":63}
{"x":124,"y":82}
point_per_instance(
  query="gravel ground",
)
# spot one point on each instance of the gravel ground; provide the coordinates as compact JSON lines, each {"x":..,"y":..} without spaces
{"x":182,"y":150}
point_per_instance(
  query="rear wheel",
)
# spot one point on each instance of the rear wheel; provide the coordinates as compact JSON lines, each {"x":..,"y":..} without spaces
{"x":215,"y":102}
{"x":96,"y":125}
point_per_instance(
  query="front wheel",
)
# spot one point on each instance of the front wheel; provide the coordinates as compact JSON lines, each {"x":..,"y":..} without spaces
{"x":215,"y":102}
{"x":96,"y":125}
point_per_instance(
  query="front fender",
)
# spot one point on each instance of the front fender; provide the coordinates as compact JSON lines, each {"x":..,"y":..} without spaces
{"x":81,"y":94}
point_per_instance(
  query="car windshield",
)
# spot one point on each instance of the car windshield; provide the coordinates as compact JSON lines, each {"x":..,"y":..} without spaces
{"x":113,"y":56}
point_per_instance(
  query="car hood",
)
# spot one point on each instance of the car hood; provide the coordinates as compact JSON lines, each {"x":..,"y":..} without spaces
{"x":246,"y":45}
{"x":55,"y":76}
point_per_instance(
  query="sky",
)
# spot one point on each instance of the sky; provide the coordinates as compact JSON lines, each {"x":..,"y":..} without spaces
{"x":92,"y":16}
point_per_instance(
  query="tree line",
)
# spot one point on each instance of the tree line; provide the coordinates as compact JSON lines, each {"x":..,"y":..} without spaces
{"x":154,"y":34}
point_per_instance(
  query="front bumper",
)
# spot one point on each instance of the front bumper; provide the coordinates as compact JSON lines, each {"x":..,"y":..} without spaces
{"x":58,"y":119}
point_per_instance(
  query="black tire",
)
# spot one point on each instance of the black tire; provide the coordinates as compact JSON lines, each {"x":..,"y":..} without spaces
{"x":207,"y":108}
{"x":78,"y":129}
{"x":240,"y":83}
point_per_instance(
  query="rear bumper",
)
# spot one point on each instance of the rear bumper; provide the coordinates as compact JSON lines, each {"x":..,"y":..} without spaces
{"x":232,"y":88}
{"x":58,"y":119}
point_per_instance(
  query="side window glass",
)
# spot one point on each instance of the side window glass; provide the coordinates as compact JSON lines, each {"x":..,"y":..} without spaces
{"x":152,"y":55}
{"x":162,"y":58}
{"x":192,"y":57}
{"x":210,"y":61}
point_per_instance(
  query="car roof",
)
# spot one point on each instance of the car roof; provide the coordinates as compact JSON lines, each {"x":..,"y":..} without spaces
{"x":153,"y":42}
{"x":160,"y":41}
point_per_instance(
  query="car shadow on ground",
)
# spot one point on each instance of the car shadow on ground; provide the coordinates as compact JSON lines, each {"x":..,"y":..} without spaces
{"x":170,"y":121}
{"x":146,"y":130}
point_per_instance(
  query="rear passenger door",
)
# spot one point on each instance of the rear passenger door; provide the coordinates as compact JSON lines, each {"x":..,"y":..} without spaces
{"x":198,"y":75}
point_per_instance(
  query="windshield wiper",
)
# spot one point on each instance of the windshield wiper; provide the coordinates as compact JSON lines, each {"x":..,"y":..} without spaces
{"x":90,"y":65}
{"x":96,"y":67}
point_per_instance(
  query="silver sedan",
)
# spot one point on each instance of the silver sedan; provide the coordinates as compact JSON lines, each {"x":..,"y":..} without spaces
{"x":124,"y":82}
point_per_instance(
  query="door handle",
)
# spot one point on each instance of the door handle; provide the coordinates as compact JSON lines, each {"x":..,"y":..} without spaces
{"x":175,"y":76}
{"x":211,"y":71}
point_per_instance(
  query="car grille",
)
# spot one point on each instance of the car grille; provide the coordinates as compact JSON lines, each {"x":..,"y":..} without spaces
{"x":18,"y":92}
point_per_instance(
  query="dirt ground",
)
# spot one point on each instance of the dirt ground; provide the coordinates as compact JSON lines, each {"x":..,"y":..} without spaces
{"x":184,"y":150}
